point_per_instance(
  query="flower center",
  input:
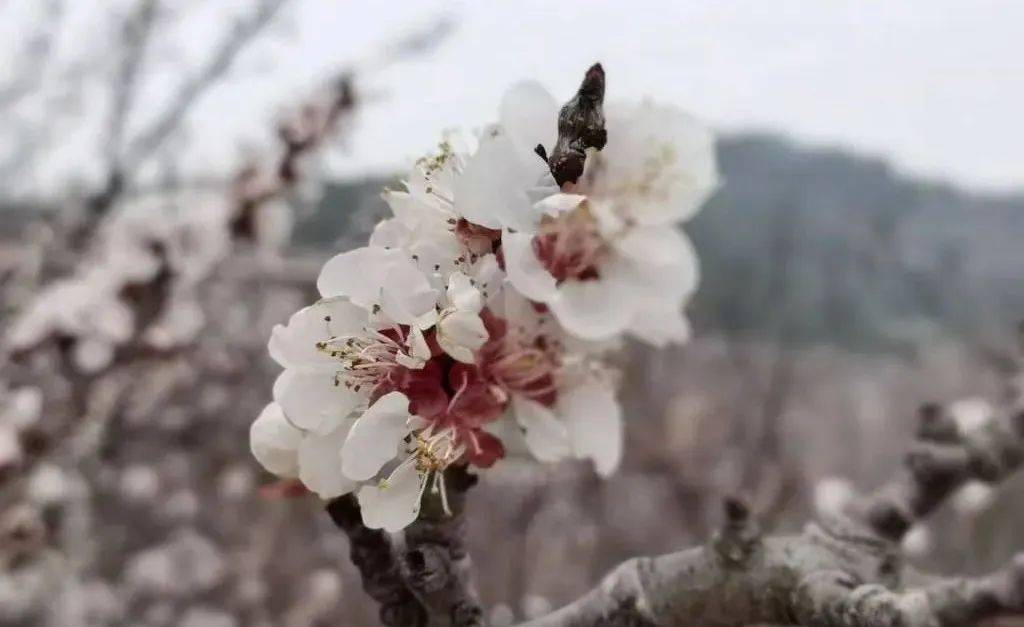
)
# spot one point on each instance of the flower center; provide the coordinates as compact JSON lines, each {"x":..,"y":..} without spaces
{"x":518,"y":364}
{"x":367,"y":360}
{"x":435,"y":450}
{"x":570,"y":245}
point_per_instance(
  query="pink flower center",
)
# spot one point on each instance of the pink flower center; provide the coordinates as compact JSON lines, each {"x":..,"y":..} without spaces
{"x":367,"y":360}
{"x":517,"y":364}
{"x":570,"y":245}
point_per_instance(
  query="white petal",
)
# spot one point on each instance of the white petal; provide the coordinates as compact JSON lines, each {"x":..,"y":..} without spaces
{"x":312,"y":401}
{"x":595,"y":309}
{"x":462,"y":294}
{"x":390,"y":233}
{"x":294,"y":345}
{"x":375,"y":276}
{"x":661,"y":326}
{"x":275,"y":442}
{"x":395,"y":503}
{"x":556,"y":204}
{"x":93,"y":354}
{"x":460,"y":333}
{"x":492,"y":189}
{"x":659,"y":163}
{"x":375,"y":437}
{"x":358,"y":274}
{"x":546,"y":436}
{"x":524,"y":270}
{"x":320,"y":463}
{"x":407,"y":297}
{"x":417,"y":344}
{"x":488,"y":276}
{"x":530,"y":115}
{"x":661,"y":262}
{"x":406,"y":207}
{"x":594,"y":419}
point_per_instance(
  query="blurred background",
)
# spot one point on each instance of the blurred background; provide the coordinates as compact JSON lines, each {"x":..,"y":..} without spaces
{"x":174,"y":172}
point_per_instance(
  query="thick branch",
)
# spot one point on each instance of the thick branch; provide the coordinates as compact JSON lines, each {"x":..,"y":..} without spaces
{"x":843,"y":573}
{"x":436,"y":564}
{"x":372,"y":554}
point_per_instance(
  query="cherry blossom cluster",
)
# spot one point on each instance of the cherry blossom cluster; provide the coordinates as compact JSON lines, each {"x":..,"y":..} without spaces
{"x":478,"y":321}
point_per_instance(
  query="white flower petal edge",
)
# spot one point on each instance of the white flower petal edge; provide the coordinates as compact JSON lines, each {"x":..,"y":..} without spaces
{"x":294,"y":345}
{"x":524,"y":270}
{"x":320,"y":462}
{"x":659,"y":163}
{"x":594,"y":420}
{"x":312,"y":401}
{"x":395,"y":502}
{"x":530,"y":115}
{"x":274,"y":442}
{"x":375,"y":436}
{"x":546,"y":436}
{"x":375,"y":278}
{"x":460,"y":331}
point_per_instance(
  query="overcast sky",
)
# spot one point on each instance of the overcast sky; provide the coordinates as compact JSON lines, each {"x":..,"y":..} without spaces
{"x":935,"y":85}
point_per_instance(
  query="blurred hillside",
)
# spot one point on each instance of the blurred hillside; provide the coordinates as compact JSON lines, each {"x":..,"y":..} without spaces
{"x":803,"y":245}
{"x":816,"y":245}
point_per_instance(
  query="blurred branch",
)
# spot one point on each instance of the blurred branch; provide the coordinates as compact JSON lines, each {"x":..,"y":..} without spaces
{"x":942,"y":459}
{"x":239,"y":35}
{"x":135,"y":32}
{"x":38,"y":50}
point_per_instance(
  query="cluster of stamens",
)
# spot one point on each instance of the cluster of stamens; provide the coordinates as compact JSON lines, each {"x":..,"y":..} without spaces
{"x":570,"y":246}
{"x":366,"y":360}
{"x":529,"y":368}
{"x":431,"y":451}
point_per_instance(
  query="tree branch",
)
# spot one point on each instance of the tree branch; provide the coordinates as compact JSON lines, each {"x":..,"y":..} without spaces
{"x":372,"y":554}
{"x":944,"y":457}
{"x":840,"y":573}
{"x":436,"y":565}
{"x":241,"y":33}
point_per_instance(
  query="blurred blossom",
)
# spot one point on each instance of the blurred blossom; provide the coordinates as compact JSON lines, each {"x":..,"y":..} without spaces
{"x":181,"y":506}
{"x":919,"y":541}
{"x":535,"y":606}
{"x":47,"y":485}
{"x":236,"y":482}
{"x":206,"y":617}
{"x":139,"y":483}
{"x":502,"y":615}
{"x":832,"y":495}
{"x":187,"y":565}
{"x":10,"y":448}
{"x":971,"y":413}
{"x":973,"y":498}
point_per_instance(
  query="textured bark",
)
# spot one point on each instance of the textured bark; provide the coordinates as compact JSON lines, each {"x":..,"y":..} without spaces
{"x":372,"y":554}
{"x":436,"y":564}
{"x":838,"y":573}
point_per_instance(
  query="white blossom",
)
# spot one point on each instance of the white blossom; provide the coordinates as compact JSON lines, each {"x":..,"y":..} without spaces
{"x":481,"y":312}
